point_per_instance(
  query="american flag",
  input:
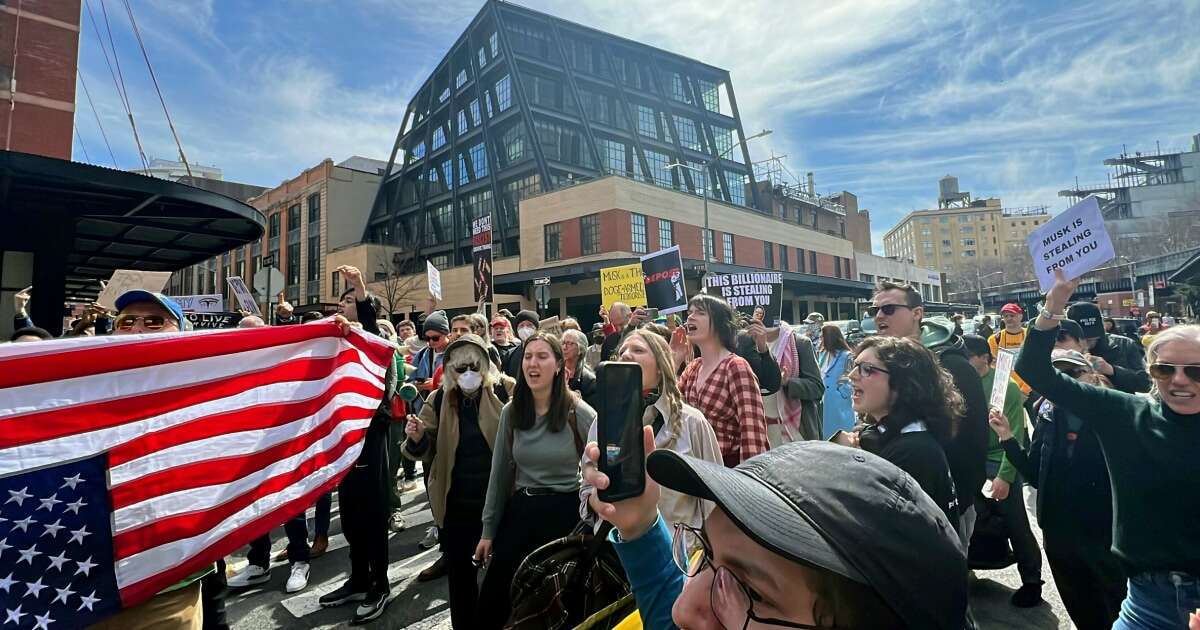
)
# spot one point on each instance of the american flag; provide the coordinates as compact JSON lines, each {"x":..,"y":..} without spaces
{"x":130,"y":463}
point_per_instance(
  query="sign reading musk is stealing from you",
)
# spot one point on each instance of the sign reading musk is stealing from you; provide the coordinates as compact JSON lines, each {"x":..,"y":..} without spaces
{"x":1074,"y":241}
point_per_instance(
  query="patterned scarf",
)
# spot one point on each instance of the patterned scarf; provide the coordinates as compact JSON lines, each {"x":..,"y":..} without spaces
{"x":785,"y":355}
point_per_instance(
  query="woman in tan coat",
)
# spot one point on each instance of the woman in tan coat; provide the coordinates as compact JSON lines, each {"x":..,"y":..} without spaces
{"x":454,"y":435}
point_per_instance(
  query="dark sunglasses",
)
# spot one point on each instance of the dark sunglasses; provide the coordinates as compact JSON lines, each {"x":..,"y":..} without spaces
{"x":149,"y":322}
{"x":474,"y":367}
{"x":1167,"y":370}
{"x":888,"y":309}
{"x":433,"y":338}
{"x":866,"y":368}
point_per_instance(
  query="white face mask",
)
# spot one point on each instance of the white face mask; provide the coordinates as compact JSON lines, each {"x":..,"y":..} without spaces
{"x":470,"y":381}
{"x":524,"y":332}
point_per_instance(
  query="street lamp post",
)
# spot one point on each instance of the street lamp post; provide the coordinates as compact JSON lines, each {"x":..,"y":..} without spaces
{"x":979,"y":286}
{"x":708,"y":246}
{"x":1132,"y":278}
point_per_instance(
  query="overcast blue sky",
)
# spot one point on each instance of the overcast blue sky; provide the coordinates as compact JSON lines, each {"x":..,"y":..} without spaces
{"x":878,"y":97}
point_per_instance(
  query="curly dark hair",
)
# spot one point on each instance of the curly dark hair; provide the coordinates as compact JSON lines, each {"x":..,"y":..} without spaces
{"x":924,"y":391}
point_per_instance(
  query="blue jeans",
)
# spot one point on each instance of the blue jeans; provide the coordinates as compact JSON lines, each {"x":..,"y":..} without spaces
{"x":1159,"y":601}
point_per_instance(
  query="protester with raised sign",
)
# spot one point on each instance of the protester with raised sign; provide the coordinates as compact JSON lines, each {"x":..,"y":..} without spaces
{"x":720,"y":383}
{"x":1149,"y":444}
{"x":533,"y":490}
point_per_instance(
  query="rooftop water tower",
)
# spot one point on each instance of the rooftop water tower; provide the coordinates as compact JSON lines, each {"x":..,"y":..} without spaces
{"x":948,"y":194}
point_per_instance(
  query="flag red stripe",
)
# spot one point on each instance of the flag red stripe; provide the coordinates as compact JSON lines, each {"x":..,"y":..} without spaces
{"x":65,"y":421}
{"x":236,"y":420}
{"x":152,"y":351}
{"x":139,"y":592}
{"x":187,"y":476}
{"x":181,"y":526}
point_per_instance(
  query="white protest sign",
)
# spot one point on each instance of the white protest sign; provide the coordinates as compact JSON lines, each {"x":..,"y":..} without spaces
{"x":1004,"y":367}
{"x":1074,"y":241}
{"x":208,"y":303}
{"x":435,"y":280}
{"x":125,"y":280}
{"x":242,"y":293}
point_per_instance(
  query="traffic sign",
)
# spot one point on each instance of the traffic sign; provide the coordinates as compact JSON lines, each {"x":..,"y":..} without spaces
{"x":538,"y":282}
{"x":268,"y":281}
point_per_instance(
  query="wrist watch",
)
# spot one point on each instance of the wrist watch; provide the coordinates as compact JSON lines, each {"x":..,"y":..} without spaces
{"x":1051,"y":315}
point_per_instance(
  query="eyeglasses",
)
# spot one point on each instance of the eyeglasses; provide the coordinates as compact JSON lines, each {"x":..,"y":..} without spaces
{"x":888,"y":309}
{"x":1164,"y":371}
{"x":866,"y":368}
{"x":474,"y":367}
{"x":149,"y":322}
{"x":433,"y":338}
{"x":731,"y":600}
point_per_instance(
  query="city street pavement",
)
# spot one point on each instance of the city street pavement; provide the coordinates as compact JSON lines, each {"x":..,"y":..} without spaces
{"x":423,"y":606}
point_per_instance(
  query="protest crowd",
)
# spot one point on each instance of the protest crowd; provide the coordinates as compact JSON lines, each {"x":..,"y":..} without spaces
{"x":783,"y":476}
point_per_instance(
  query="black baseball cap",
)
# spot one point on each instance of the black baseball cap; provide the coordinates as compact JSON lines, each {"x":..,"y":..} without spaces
{"x":1072,"y":328}
{"x":1088,"y":317}
{"x":843,"y":510}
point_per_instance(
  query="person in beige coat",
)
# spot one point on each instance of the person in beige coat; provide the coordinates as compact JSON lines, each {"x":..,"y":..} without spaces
{"x":454,"y":436}
{"x":678,"y":427}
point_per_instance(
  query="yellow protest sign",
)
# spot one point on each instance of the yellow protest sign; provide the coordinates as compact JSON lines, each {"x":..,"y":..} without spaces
{"x":623,"y":284}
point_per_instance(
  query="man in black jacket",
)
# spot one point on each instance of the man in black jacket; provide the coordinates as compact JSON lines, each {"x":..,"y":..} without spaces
{"x":1119,"y":358}
{"x":898,"y":311}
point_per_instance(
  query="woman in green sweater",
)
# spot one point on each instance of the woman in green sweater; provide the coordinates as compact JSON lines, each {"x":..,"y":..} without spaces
{"x":1150,"y":445}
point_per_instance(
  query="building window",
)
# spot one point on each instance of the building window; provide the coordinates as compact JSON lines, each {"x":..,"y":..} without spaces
{"x":812,"y":262}
{"x":660,"y":173}
{"x":722,"y":139}
{"x":494,"y":43}
{"x":553,"y":236}
{"x":710,"y":95}
{"x":968,"y":242}
{"x":589,"y":234}
{"x":707,"y":244}
{"x":679,"y":88}
{"x":783,"y":257}
{"x":314,"y":210}
{"x":462,"y":122}
{"x":463,"y":175}
{"x":482,"y":59}
{"x":504,"y":93}
{"x":687,"y":133}
{"x":274,"y":225}
{"x":418,"y":151}
{"x":970,"y":253}
{"x":615,"y":156}
{"x":314,"y":257}
{"x":727,"y":246}
{"x":512,"y":145}
{"x":333,"y":285}
{"x":837,"y":266}
{"x":439,"y":138}
{"x":800,"y":260}
{"x":293,"y":264}
{"x":737,"y":187}
{"x":475,"y":118}
{"x":645,"y":121}
{"x":666,"y":234}
{"x":479,"y":160}
{"x":768,"y":255}
{"x":638,"y":226}
{"x":461,"y":79}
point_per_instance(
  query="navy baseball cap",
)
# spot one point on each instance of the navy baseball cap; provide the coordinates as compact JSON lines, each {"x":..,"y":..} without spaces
{"x":133,"y":297}
{"x":842,"y":510}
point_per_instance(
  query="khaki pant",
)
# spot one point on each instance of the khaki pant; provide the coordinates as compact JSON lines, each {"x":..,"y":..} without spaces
{"x":177,"y":610}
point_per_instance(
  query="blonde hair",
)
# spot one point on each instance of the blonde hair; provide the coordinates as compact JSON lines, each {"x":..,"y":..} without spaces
{"x":668,"y":383}
{"x":463,"y":354}
{"x":1189,"y":332}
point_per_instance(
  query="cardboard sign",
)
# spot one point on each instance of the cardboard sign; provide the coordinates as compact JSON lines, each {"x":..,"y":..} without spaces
{"x":481,"y":258}
{"x":210,"y":303}
{"x":1004,"y":368}
{"x":124,"y":280}
{"x":242,"y":293}
{"x":435,"y":280}
{"x":552,"y":326}
{"x":624,"y":284}
{"x":1074,"y":241}
{"x":664,"y":281}
{"x":756,"y":295}
{"x":212,"y":321}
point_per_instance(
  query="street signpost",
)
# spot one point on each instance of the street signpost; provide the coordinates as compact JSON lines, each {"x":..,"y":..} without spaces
{"x":264,"y":279}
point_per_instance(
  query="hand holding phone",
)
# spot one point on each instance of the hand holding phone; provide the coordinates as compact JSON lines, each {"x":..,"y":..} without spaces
{"x":633,"y":516}
{"x":622,"y":457}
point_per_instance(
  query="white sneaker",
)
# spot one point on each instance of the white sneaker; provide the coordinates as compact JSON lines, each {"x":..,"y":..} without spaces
{"x":299,"y":577}
{"x":430,"y":540}
{"x":250,"y":576}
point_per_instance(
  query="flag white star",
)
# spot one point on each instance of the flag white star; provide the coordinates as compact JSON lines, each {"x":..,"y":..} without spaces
{"x":4,"y":546}
{"x":63,"y":594}
{"x":23,"y":524}
{"x":34,"y":588}
{"x":74,"y":506}
{"x":49,"y":502}
{"x":88,"y":600}
{"x":57,"y":562}
{"x":6,"y":583}
{"x":43,"y":622}
{"x":28,"y":554}
{"x":19,"y":496}
{"x":72,"y":481}
{"x":53,"y":528}
{"x":14,"y":615}
{"x":78,"y":534}
{"x":85,"y":567}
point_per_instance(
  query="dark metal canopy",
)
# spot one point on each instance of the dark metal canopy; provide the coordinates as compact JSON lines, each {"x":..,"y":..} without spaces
{"x":99,"y":219}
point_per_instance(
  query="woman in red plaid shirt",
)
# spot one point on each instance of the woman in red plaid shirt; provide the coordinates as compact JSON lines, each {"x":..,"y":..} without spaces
{"x":720,"y":383}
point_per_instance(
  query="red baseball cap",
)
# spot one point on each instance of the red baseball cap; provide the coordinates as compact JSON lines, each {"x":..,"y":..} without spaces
{"x":1012,"y":308}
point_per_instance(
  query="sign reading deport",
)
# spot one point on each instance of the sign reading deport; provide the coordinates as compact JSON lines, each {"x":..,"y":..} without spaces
{"x":1074,"y":241}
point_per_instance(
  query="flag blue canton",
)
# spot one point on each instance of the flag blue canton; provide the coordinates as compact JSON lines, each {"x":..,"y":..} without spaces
{"x":56,"y":552}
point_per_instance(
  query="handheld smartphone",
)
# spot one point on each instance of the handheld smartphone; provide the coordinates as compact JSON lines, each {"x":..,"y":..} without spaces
{"x":651,"y":314}
{"x":619,"y":429}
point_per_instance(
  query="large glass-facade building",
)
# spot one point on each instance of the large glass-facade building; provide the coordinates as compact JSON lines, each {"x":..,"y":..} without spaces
{"x":524,"y":103}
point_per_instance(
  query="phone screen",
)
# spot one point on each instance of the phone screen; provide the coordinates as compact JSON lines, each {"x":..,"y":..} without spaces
{"x":619,"y":429}
{"x":651,"y":314}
